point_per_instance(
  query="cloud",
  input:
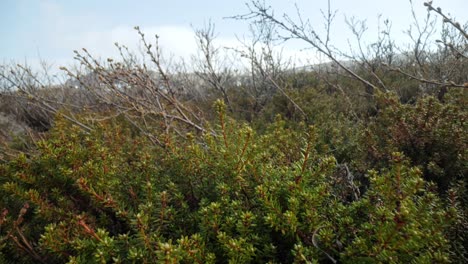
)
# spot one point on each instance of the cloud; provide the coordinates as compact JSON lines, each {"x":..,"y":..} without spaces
{"x":173,"y":40}
{"x":289,"y":52}
{"x":55,"y":32}
{"x":61,"y":32}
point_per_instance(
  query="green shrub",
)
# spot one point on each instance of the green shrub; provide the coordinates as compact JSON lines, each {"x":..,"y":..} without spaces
{"x":228,"y":197}
{"x":431,"y":133}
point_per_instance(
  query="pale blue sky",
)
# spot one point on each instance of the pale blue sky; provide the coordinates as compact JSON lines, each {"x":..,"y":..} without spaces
{"x":52,"y":29}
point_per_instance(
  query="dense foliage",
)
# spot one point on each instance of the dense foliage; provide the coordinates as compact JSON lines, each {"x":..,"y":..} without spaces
{"x":230,"y":196}
{"x":361,"y":159}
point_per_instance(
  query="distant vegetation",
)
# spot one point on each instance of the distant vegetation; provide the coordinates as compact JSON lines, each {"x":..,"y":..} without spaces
{"x":359,"y":160}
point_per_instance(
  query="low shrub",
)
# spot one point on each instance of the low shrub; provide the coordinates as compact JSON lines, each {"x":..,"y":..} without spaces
{"x":228,"y":197}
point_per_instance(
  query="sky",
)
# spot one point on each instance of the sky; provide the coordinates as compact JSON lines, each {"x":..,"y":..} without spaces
{"x":49,"y":30}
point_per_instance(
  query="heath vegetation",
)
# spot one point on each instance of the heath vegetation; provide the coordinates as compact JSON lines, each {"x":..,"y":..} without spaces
{"x":362,"y":159}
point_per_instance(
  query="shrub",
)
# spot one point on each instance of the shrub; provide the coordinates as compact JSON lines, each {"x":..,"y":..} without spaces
{"x":233,"y":196}
{"x":430,"y":133}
